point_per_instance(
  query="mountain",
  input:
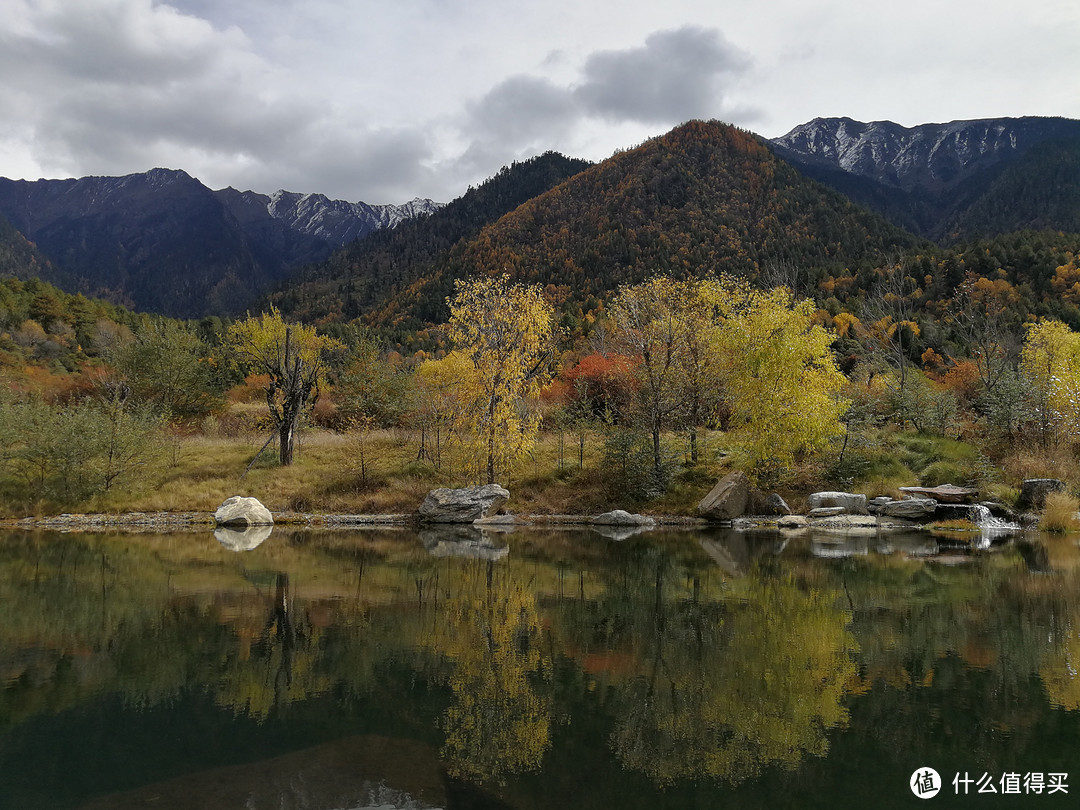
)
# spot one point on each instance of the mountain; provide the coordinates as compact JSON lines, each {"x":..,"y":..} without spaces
{"x":705,"y":197}
{"x":162,"y":241}
{"x":369,"y":272}
{"x":925,"y":178}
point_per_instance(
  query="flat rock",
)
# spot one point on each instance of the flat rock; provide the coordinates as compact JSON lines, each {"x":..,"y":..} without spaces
{"x":463,"y":505}
{"x":909,"y":509}
{"x":241,"y":511}
{"x":826,"y":511}
{"x":946,"y":493}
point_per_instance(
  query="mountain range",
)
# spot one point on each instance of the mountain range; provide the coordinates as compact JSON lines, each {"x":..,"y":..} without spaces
{"x":831,"y":196}
{"x":162,"y":241}
{"x":944,"y":181}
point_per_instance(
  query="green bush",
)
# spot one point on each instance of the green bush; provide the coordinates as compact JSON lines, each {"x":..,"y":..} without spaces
{"x":942,"y":472}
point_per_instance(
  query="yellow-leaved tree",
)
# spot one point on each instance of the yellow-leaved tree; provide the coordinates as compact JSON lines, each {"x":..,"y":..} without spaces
{"x":781,"y":381}
{"x":716,"y":345}
{"x":1050,"y":361}
{"x":504,"y":335}
{"x":294,"y":357}
{"x":670,"y":326}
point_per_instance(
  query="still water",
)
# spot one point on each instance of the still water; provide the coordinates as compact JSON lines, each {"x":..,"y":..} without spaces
{"x":536,"y":669}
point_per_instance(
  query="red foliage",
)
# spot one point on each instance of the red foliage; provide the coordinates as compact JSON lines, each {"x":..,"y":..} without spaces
{"x":602,"y":383}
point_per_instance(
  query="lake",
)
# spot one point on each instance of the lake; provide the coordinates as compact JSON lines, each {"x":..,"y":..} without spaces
{"x":386,"y":668}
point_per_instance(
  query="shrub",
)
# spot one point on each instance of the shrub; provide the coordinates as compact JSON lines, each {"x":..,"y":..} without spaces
{"x":942,"y":472}
{"x":1059,"y":514}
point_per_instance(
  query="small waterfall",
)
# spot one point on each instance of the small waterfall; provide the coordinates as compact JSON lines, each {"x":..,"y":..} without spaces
{"x":982,"y":517}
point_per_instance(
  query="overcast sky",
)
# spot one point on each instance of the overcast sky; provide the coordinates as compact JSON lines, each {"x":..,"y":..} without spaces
{"x":385,"y":101}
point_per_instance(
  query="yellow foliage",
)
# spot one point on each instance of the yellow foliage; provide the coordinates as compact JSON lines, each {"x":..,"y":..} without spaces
{"x":504,"y":338}
{"x":782,"y":382}
{"x":1050,"y":360}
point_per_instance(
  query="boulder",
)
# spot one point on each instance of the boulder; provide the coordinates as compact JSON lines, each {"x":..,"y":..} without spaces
{"x":728,"y":499}
{"x":775,"y":505}
{"x":241,"y":511}
{"x":1033,"y":492}
{"x":619,"y":517}
{"x":909,"y":509}
{"x":854,"y":504}
{"x":462,"y":505}
{"x":946,"y":493}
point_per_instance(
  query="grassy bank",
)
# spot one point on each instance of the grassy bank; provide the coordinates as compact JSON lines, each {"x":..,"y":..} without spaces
{"x":383,"y":472}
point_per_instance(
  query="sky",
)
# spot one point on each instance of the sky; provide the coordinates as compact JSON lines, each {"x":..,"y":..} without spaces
{"x":386,"y":101}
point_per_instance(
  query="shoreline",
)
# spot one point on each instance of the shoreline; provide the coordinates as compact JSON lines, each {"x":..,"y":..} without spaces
{"x":180,"y":521}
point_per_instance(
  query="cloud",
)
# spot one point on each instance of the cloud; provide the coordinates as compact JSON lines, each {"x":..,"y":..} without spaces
{"x":676,"y":75}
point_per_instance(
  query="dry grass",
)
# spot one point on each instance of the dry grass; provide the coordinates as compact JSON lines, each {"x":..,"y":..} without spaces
{"x":1060,"y":513}
{"x":1037,"y":462}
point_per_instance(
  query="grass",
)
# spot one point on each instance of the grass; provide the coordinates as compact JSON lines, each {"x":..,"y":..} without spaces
{"x":379,"y":472}
{"x":1060,"y":513}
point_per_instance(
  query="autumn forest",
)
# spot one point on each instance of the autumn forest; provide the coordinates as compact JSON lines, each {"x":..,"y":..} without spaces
{"x":617,"y":334}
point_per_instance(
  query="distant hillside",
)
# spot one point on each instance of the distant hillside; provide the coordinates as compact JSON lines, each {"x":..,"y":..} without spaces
{"x":161,"y":241}
{"x":386,"y":264}
{"x":18,"y":256}
{"x":926,"y":178}
{"x":1040,"y":190}
{"x":705,"y":197}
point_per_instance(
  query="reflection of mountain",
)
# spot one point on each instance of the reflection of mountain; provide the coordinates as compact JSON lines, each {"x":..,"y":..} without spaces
{"x":356,"y":772}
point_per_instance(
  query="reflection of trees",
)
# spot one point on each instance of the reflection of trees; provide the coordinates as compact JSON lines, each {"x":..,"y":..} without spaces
{"x":731,"y":690}
{"x":498,"y":722}
{"x":278,"y":667}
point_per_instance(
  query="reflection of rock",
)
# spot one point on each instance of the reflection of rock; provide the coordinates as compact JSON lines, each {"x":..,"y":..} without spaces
{"x":728,"y":499}
{"x":840,"y":547}
{"x":735,"y":551}
{"x":1036,"y":557}
{"x":462,"y":505}
{"x":913,"y":545}
{"x":352,"y":772}
{"x":617,"y":532}
{"x":241,"y":511}
{"x":462,"y":541}
{"x":236,"y":539}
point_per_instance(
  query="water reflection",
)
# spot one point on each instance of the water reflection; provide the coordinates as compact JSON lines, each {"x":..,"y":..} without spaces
{"x":720,"y":664}
{"x":245,"y":539}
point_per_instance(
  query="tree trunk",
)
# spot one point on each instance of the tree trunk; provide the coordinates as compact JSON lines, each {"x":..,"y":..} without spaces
{"x":287,"y":438}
